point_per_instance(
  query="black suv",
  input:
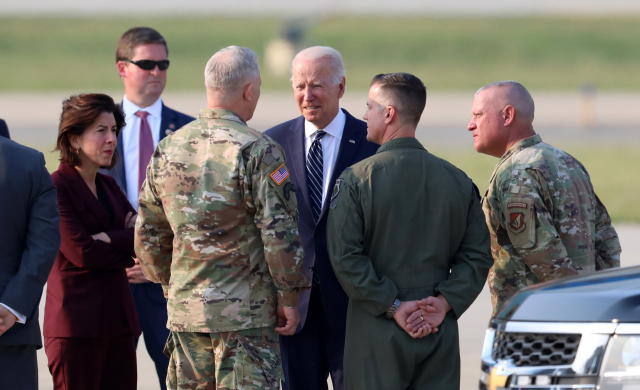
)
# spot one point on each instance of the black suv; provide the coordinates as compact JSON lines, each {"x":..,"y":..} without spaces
{"x":574,"y":333}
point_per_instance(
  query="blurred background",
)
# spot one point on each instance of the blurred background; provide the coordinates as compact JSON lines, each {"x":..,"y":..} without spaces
{"x":579,"y":59}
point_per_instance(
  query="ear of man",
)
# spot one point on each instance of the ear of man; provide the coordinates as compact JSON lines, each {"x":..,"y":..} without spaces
{"x":247,"y":92}
{"x":342,"y":87}
{"x":122,"y":68}
{"x":509,"y":115}
{"x":390,"y":115}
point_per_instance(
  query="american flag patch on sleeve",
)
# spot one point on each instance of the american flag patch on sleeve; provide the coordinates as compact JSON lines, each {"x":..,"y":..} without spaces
{"x":280,"y":175}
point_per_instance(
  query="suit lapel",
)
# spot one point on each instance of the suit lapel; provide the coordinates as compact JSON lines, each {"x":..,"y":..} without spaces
{"x":296,"y":154}
{"x":116,"y":206}
{"x":85,"y":195}
{"x":168,"y":123}
{"x":119,"y":168}
{"x":346,"y":155}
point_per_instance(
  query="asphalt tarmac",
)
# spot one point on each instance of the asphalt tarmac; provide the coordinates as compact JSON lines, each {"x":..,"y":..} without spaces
{"x":561,"y":117}
{"x":472,"y":326}
{"x":33,"y":121}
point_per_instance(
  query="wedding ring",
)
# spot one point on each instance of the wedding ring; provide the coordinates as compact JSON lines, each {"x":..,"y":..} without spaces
{"x":422,"y":318}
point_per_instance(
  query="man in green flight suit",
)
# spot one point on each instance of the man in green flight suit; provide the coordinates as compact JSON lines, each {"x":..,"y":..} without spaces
{"x":545,"y":219}
{"x":218,"y":228}
{"x":405,"y":226}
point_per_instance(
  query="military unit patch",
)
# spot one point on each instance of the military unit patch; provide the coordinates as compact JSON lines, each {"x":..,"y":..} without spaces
{"x":517,"y":224}
{"x":334,"y":195}
{"x":520,"y":222}
{"x":286,"y":191}
{"x":336,"y":189}
{"x":280,"y":174}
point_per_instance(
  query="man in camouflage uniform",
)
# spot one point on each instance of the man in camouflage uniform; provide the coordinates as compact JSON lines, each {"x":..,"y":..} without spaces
{"x":546,"y":221}
{"x":217,"y":227}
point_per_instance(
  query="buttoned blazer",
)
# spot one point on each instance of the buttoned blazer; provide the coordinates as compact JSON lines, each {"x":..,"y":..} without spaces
{"x":354,"y":147}
{"x":4,"y":130}
{"x":30,"y":236}
{"x":88,"y":293}
{"x":171,"y":121}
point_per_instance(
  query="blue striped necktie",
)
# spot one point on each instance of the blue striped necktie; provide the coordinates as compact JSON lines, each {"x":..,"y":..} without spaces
{"x":315,"y":174}
{"x":315,"y":169}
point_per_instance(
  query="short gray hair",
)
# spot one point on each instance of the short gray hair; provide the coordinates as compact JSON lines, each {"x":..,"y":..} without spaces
{"x":502,"y":84}
{"x":517,"y":95}
{"x":229,"y":67}
{"x":318,"y":52}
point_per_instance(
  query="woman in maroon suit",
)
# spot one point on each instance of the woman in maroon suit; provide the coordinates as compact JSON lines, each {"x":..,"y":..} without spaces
{"x":90,"y":317}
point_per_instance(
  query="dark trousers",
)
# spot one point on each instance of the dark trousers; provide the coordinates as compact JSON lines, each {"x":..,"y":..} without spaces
{"x":18,"y":367}
{"x":309,"y":357}
{"x":152,"y":314}
{"x":92,"y":363}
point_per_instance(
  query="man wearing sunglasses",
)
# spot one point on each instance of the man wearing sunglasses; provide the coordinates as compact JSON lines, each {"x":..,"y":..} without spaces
{"x":141,"y":58}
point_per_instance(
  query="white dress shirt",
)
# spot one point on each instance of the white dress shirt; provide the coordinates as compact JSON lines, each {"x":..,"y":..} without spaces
{"x":330,"y":146}
{"x":131,"y":142}
{"x":22,"y":319}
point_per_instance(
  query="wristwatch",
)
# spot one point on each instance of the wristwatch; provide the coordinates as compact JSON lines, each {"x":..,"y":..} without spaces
{"x":392,"y":310}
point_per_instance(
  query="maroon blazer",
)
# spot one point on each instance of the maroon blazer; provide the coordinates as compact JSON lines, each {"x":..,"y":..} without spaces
{"x":88,"y":294}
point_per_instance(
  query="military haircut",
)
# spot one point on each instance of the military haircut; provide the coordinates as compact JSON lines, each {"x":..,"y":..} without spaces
{"x":138,"y":36}
{"x":229,"y":67}
{"x":78,"y":113}
{"x":516,"y":95}
{"x":403,"y":91}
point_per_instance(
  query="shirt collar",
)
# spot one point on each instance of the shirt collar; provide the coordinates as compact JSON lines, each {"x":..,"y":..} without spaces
{"x":525,"y":143}
{"x":401,"y":143}
{"x":335,"y":128}
{"x":220,"y":113}
{"x":130,"y":109}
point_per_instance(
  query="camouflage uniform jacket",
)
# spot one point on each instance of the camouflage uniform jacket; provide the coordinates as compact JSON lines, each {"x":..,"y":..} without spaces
{"x":545,"y":219}
{"x":217,"y":226}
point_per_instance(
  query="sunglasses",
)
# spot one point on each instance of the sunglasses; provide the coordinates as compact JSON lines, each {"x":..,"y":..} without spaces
{"x":151,"y":64}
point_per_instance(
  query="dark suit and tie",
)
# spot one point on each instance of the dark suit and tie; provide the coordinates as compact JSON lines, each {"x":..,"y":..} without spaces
{"x":29,"y":227}
{"x":316,"y":350}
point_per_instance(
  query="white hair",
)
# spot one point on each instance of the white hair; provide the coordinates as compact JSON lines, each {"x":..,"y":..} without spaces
{"x":229,"y":67}
{"x":317,"y":52}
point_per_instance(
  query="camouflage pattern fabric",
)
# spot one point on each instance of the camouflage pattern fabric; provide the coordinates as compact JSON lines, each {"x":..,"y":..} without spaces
{"x":244,"y":360}
{"x":217,"y":226}
{"x":545,"y":219}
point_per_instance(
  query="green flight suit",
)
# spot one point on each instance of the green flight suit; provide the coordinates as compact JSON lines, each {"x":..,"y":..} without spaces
{"x":405,"y":224}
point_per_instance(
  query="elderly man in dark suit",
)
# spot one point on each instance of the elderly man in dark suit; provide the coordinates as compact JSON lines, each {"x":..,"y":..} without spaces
{"x":141,"y":59}
{"x":4,"y":130}
{"x":319,"y":145}
{"x":29,"y":227}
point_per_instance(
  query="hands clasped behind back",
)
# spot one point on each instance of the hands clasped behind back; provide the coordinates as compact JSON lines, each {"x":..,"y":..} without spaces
{"x":421,"y":318}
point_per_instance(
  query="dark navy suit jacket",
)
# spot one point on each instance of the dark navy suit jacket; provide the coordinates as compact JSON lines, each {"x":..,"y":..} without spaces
{"x":353,"y":148}
{"x":171,"y":121}
{"x":30,"y":236}
{"x":4,"y":130}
